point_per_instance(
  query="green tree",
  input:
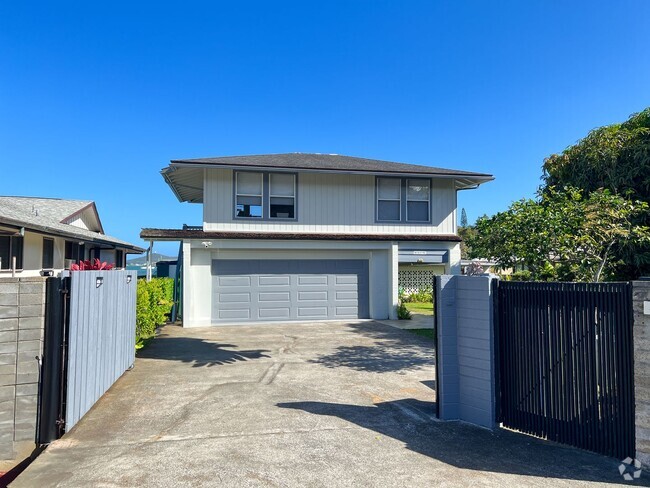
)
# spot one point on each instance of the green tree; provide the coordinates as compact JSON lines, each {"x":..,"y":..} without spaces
{"x":463,"y":218}
{"x":563,"y":235}
{"x":466,"y":234}
{"x":617,"y":158}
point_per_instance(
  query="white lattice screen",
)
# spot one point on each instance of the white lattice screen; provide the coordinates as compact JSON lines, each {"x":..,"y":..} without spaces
{"x":414,"y":278}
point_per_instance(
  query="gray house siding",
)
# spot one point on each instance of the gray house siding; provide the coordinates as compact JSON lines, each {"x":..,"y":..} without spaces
{"x":466,"y":349}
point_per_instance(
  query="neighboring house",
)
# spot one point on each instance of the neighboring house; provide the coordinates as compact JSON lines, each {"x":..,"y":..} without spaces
{"x":309,"y":236}
{"x":43,"y":236}
{"x":488,"y":265}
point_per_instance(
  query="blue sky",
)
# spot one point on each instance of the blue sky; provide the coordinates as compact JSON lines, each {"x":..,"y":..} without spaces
{"x":97,"y":97}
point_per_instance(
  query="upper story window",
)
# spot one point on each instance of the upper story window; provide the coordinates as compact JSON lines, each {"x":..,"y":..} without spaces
{"x":249,"y":189}
{"x":265,"y":196}
{"x":282,"y":196}
{"x":418,"y":195}
{"x":403,"y":200}
{"x":389,"y":199}
{"x":11,"y":250}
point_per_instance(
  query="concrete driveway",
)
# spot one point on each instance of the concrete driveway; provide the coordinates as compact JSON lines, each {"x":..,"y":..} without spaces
{"x":330,"y":404}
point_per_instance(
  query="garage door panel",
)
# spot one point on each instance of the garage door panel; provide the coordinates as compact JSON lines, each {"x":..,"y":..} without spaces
{"x":347,"y":311}
{"x":234,"y":297}
{"x":264,"y":290}
{"x":312,"y":280}
{"x":239,"y":314}
{"x":274,"y":297}
{"x":234,"y":281}
{"x":346,"y":295}
{"x":312,"y":312}
{"x":312,"y":295}
{"x":274,"y":313}
{"x":274,"y":281}
{"x":346,"y":279}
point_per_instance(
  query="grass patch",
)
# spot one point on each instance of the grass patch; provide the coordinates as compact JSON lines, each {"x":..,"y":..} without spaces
{"x":427,"y":333}
{"x":423,"y":308}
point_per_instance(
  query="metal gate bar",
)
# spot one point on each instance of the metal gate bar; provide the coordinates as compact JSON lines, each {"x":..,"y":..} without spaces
{"x":565,"y":363}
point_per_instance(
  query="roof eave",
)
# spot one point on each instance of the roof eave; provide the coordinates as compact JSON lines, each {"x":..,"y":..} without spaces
{"x":149,"y":234}
{"x":56,"y":232}
{"x":463,"y":181}
{"x":431,"y":174}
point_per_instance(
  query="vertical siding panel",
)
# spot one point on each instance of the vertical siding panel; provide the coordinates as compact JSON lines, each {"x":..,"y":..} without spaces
{"x":327,"y":203}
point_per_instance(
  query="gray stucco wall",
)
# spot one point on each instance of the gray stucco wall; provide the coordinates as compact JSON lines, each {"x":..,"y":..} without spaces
{"x":641,"y":295}
{"x":22,"y":304}
{"x":465,"y":349}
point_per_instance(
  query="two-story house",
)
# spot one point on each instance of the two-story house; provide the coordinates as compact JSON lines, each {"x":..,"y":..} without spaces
{"x":302,"y":237}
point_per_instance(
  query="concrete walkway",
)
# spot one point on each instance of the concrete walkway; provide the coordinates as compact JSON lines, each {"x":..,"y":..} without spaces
{"x":293,"y":405}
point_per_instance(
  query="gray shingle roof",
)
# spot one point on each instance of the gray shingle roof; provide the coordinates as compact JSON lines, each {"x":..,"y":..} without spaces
{"x":185,"y":176}
{"x":46,"y":214}
{"x":333,"y":162}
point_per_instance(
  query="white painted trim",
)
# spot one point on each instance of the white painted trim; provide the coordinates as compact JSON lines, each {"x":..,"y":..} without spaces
{"x":393,"y":285}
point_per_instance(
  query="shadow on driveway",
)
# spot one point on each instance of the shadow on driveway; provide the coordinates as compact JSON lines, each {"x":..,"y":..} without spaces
{"x":197,"y":352}
{"x":394,"y":350}
{"x":468,"y":447}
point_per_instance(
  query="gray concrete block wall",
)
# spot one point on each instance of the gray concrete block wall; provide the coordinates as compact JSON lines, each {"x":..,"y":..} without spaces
{"x":641,"y":332}
{"x":466,"y":349}
{"x":22,"y":311}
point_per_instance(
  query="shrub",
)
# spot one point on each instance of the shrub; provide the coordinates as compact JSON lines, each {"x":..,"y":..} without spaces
{"x":89,"y":265}
{"x":154,"y":302}
{"x":524,"y":275}
{"x":422,"y":295}
{"x":403,"y":313}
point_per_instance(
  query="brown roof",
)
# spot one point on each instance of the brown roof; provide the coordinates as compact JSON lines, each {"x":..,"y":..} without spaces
{"x":180,"y":234}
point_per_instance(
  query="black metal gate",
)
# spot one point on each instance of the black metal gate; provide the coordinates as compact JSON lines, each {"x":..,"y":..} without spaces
{"x":565,"y":363}
{"x":52,"y":391}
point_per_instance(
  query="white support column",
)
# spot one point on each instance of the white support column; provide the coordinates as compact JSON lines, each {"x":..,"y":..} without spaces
{"x":149,"y":265}
{"x":188,"y":312}
{"x":393,"y":285}
{"x":454,"y":260}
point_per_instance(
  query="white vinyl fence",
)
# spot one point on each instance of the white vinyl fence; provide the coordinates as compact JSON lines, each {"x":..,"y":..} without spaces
{"x":101,"y":336}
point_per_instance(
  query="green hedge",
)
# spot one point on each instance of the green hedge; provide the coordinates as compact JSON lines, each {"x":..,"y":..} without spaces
{"x":154,"y":301}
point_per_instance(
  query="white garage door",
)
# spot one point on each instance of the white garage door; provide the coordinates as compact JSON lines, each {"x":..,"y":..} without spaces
{"x":299,"y":289}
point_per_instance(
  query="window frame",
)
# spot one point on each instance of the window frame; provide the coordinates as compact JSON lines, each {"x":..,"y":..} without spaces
{"x":237,"y":195}
{"x":13,"y":253}
{"x":266,"y":197}
{"x":119,"y":258}
{"x":50,"y":240}
{"x":403,"y":201}
{"x":270,"y":195}
{"x":428,"y":200}
{"x":78,"y":249}
{"x":377,"y":200}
